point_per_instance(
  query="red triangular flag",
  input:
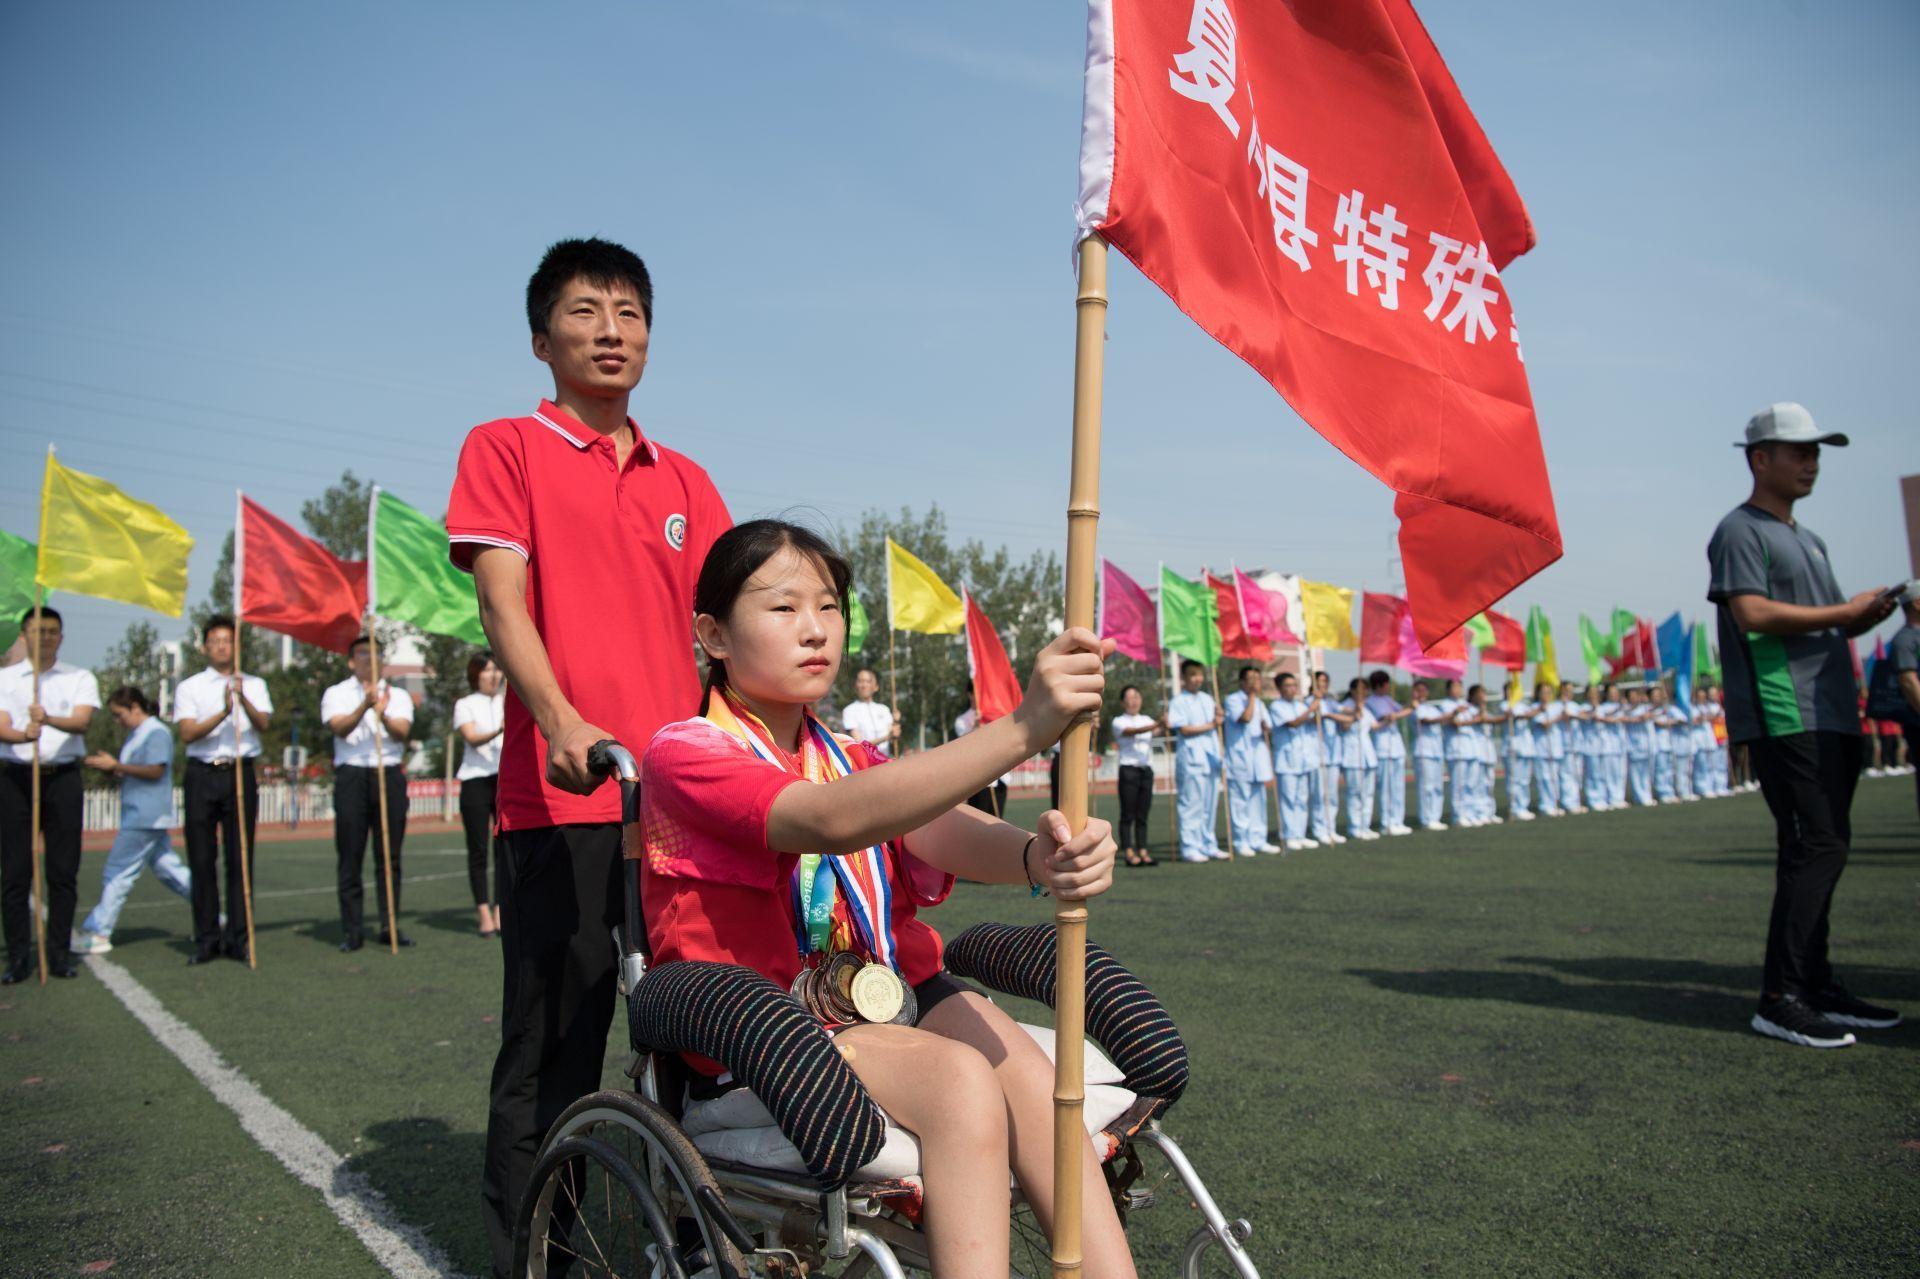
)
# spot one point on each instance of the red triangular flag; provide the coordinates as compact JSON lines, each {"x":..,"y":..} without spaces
{"x":1380,"y":627}
{"x":996,"y":689}
{"x":291,"y":584}
{"x":1306,"y":182}
{"x":1234,"y":639}
{"x":1509,"y":647}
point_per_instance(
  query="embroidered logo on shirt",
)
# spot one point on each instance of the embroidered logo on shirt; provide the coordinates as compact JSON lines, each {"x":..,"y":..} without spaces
{"x":676,"y":531}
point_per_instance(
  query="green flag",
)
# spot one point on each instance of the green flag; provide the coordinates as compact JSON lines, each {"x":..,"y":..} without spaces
{"x":1480,"y":631}
{"x":1540,"y":646}
{"x":1593,"y":647}
{"x":410,"y":578}
{"x":17,"y":559}
{"x":1624,"y":623}
{"x":856,"y":622}
{"x":1189,"y":618}
{"x":1705,"y":663}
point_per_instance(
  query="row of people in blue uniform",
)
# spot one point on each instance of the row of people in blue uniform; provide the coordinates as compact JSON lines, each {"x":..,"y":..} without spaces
{"x":1311,"y":748}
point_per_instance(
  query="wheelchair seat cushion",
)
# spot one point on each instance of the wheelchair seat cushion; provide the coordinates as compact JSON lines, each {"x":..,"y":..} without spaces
{"x":736,"y":1127}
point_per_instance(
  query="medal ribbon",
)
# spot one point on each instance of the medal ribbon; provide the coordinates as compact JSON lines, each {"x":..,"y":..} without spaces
{"x":861,"y":876}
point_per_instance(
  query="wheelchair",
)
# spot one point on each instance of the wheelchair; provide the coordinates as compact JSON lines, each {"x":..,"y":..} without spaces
{"x":796,"y":1172}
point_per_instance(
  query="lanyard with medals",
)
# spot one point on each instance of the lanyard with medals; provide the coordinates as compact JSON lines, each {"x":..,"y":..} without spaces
{"x":834,"y":982}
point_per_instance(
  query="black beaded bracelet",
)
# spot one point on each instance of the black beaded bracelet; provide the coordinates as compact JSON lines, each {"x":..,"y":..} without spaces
{"x":1033,"y":889}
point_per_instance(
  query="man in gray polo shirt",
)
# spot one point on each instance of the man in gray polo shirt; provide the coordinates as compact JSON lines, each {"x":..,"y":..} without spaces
{"x":1904,"y":653}
{"x":1791,"y":697}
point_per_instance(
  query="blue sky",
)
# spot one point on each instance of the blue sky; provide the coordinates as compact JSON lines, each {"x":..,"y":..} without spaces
{"x":252,"y":245}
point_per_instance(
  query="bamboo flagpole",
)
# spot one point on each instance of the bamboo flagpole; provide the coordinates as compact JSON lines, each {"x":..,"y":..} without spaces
{"x":37,"y":843}
{"x":1070,"y":914}
{"x":235,"y":712}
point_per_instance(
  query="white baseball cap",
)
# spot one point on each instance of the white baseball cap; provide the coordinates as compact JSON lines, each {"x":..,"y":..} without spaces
{"x":1787,"y":423}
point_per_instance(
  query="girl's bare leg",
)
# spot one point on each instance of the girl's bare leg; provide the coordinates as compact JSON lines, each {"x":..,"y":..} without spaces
{"x":1026,"y":1082}
{"x":945,"y":1093}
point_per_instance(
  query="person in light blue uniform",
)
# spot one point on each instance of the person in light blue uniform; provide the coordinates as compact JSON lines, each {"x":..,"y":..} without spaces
{"x":1574,"y":729}
{"x":1249,"y":766}
{"x":1680,"y":716}
{"x":145,"y":769}
{"x":1705,"y":784}
{"x":1358,"y":763}
{"x":1294,"y":736}
{"x":1323,"y":803}
{"x":1430,"y":719}
{"x":1593,"y":750}
{"x":1490,"y":720}
{"x":1463,"y":756}
{"x":1521,"y":757}
{"x":1390,"y":749}
{"x":1640,"y":733}
{"x":1611,"y":715}
{"x":1660,"y":725}
{"x":1549,"y":746}
{"x":1195,"y":722}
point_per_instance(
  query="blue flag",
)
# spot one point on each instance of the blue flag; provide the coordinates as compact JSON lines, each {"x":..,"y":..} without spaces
{"x":1671,"y":639}
{"x":1683,"y":670}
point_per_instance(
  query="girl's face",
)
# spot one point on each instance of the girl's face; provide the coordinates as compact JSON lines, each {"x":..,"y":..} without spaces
{"x":1419,"y":694}
{"x":783,"y":637}
{"x":1478,"y":697}
{"x":490,"y":679}
{"x":1130,"y":701}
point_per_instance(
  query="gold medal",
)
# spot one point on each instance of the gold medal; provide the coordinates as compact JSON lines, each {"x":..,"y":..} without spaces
{"x":878,"y":994}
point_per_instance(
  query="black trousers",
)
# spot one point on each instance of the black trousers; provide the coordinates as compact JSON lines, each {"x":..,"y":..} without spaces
{"x":212,"y":823}
{"x":61,"y":816}
{"x":1136,"y":800}
{"x":559,"y":903}
{"x":1808,"y":780}
{"x":1912,"y":734}
{"x":476,"y":816}
{"x":991,"y":799}
{"x":356,"y":815}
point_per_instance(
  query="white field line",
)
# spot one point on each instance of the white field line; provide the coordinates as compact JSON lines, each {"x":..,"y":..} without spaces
{"x":299,"y":892}
{"x":402,"y":1249}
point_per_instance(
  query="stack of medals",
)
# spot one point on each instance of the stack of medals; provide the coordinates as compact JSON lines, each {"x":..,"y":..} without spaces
{"x":845,"y":990}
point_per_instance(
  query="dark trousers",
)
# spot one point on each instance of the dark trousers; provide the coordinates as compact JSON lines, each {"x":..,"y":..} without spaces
{"x":991,"y":799}
{"x":1136,"y":799}
{"x":60,"y":820}
{"x":1912,"y":733}
{"x":356,"y":815}
{"x":476,"y":816}
{"x":213,"y":827}
{"x":1808,"y":781}
{"x":559,"y":904}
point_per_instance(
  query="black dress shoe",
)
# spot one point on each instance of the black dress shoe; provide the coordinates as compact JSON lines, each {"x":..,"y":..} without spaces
{"x":404,"y":939}
{"x":352,"y":942}
{"x":17,"y":973}
{"x":62,"y":966}
{"x":206,"y":955}
{"x":237,"y":952}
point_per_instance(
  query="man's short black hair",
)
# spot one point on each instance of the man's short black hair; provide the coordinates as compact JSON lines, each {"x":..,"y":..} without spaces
{"x":600,"y":262}
{"x":1190,"y":665}
{"x":1379,"y":679}
{"x":1246,"y":671}
{"x":26,"y":618}
{"x":359,"y":641}
{"x":218,"y":622}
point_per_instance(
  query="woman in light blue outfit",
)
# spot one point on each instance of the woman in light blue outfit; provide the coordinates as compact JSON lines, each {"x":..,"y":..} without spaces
{"x":1573,"y":719}
{"x":1549,"y":746}
{"x":1430,"y":720}
{"x":1520,"y":758}
{"x":1463,"y":757}
{"x":1640,"y":735}
{"x":1705,"y":784}
{"x":1391,"y":750}
{"x":1660,"y":724}
{"x":1489,"y":750}
{"x":1249,"y":765}
{"x":1290,"y":722}
{"x":1195,"y":723}
{"x":1609,"y":717}
{"x":145,"y":770}
{"x":1323,"y":799}
{"x":1358,"y":763}
{"x":1680,"y":717}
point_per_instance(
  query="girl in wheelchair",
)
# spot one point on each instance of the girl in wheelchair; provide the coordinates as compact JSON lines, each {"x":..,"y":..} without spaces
{"x":773,"y":844}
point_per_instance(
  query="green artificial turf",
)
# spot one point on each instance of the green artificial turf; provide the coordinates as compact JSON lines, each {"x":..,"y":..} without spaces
{"x":1513,"y":1051}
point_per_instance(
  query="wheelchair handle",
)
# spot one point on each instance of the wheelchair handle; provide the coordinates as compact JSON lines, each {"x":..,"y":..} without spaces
{"x":608,"y":758}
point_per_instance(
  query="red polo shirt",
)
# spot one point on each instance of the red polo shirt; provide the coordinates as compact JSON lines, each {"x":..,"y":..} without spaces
{"x":612,"y":556}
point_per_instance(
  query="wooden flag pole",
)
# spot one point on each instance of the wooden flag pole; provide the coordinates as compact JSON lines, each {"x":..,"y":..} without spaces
{"x":380,"y":780}
{"x":235,"y":712}
{"x":37,"y":842}
{"x":1070,"y":914}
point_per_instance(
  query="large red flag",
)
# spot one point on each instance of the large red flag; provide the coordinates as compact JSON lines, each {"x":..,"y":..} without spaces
{"x":996,"y":689}
{"x":1638,"y":648}
{"x":1509,"y":647}
{"x":291,"y":584}
{"x":1380,"y":627}
{"x":1235,"y":639}
{"x":1305,"y":181}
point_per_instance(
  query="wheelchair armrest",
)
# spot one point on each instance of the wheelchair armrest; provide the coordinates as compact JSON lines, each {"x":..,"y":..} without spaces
{"x":1123,"y":1016}
{"x":771,"y":1045}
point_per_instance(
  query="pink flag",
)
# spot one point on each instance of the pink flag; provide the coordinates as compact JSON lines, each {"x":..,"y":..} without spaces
{"x":1127,"y":616}
{"x":1265,"y":611}
{"x":1418,"y":662}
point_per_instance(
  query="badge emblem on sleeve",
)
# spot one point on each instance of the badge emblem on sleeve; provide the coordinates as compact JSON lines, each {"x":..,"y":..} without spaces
{"x":676,"y":531}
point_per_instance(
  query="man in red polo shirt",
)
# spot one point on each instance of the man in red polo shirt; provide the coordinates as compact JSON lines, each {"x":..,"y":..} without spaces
{"x":584,"y":538}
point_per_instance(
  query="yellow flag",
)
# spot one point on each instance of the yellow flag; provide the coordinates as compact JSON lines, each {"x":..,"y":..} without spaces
{"x":917,"y":600}
{"x":1548,"y":667}
{"x":1329,"y":615}
{"x":95,"y":540}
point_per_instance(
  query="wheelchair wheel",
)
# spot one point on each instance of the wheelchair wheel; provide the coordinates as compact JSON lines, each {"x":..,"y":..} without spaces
{"x":675,"y":1172}
{"x":588,"y":1212}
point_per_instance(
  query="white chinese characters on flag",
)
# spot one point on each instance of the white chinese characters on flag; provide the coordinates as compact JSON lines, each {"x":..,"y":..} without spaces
{"x":1306,"y":182}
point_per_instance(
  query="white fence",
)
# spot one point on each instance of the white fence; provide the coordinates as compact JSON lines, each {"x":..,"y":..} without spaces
{"x":282,"y":803}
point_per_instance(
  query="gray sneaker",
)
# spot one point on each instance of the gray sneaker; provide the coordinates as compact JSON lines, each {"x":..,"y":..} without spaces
{"x":86,"y":943}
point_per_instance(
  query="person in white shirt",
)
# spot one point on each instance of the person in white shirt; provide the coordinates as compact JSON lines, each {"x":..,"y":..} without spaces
{"x":1133,"y":745}
{"x":866,"y":720}
{"x":203,"y":710}
{"x":59,"y":719}
{"x":480,"y":717}
{"x":991,"y":799}
{"x":145,"y":769}
{"x":370,"y":721}
{"x":1248,"y":767}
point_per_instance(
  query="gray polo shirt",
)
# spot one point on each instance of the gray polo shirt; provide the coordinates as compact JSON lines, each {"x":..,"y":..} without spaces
{"x":1904,"y":652}
{"x":1777,"y":685}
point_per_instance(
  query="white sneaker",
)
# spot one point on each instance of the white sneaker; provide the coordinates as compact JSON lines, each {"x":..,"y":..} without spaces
{"x":1399,"y":828}
{"x":1307,"y":843}
{"x":1523,"y":816}
{"x":1436,"y":826}
{"x":86,"y":943}
{"x":1269,"y":847}
{"x":1366,"y":835}
{"x":1336,"y":839}
{"x":1246,"y":852}
{"x":1195,"y":858}
{"x":1295,"y":845}
{"x":1218,"y":854}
